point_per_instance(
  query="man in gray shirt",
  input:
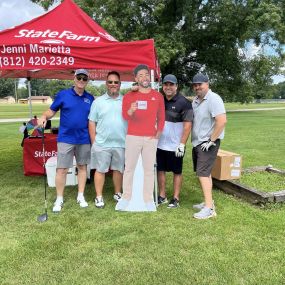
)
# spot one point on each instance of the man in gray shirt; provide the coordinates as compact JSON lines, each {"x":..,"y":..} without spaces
{"x":207,"y":131}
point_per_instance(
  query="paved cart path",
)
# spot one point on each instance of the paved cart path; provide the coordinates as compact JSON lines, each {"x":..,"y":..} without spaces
{"x":259,"y":109}
{"x":19,"y":120}
{"x":228,"y":111}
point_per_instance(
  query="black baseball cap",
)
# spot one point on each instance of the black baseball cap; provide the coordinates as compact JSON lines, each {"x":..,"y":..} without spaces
{"x":170,"y":78}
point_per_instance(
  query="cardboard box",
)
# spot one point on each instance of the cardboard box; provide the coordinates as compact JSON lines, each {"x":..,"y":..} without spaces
{"x":227,"y":166}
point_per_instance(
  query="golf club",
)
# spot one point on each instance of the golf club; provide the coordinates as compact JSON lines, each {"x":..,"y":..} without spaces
{"x":44,"y":217}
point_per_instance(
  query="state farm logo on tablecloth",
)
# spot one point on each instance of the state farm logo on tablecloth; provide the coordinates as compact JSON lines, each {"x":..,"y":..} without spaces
{"x":48,"y":154}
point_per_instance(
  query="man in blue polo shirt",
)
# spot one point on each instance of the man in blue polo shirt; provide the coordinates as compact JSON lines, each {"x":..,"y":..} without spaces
{"x":73,"y":137}
{"x":208,"y":129}
{"x":171,"y":145}
{"x":107,"y":130}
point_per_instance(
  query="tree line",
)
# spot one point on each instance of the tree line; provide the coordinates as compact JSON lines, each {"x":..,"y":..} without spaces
{"x":49,"y":87}
{"x":203,"y":35}
{"x":44,"y":87}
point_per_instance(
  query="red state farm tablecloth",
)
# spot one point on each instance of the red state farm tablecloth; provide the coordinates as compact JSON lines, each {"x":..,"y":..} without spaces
{"x":33,"y":153}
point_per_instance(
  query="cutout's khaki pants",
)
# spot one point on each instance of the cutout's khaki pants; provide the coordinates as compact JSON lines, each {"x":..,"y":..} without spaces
{"x":147,"y":147}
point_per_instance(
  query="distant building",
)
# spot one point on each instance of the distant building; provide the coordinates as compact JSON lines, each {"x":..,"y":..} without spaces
{"x":36,"y":100}
{"x":8,"y":100}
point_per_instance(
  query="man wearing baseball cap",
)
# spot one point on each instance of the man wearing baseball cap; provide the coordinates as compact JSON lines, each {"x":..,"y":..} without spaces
{"x":171,"y":145}
{"x":208,"y":129}
{"x":73,"y":137}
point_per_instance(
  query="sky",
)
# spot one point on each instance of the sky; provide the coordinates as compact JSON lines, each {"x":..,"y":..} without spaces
{"x":16,"y":12}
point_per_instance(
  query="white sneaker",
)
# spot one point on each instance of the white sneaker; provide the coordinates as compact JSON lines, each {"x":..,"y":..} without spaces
{"x":99,"y":202}
{"x":117,"y":196}
{"x":201,"y":206}
{"x":82,"y":203}
{"x":205,"y":213}
{"x":57,"y":206}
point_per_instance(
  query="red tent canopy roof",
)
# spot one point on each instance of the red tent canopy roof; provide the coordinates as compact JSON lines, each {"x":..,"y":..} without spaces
{"x":66,"y":23}
{"x":64,"y":39}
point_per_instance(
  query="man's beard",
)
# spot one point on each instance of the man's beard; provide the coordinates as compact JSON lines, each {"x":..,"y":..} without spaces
{"x":145,"y":84}
{"x":201,"y":94}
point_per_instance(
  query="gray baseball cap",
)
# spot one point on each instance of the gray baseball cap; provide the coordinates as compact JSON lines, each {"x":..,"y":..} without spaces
{"x":140,"y":67}
{"x":81,"y":71}
{"x":200,"y":78}
{"x":170,"y":78}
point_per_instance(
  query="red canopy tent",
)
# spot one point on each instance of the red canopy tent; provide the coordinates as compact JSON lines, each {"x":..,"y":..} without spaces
{"x":64,"y":39}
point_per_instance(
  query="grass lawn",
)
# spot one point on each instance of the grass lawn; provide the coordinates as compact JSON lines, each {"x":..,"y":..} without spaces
{"x":235,"y":106}
{"x":243,"y":245}
{"x":264,"y":181}
{"x":14,"y":111}
{"x":9,"y":111}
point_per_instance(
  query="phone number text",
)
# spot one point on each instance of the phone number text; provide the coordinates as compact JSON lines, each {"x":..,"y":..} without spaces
{"x":35,"y":61}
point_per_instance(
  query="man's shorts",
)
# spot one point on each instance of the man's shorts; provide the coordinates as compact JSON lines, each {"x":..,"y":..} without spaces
{"x":65,"y":153}
{"x":203,"y":161}
{"x":105,"y":158}
{"x":167,"y":161}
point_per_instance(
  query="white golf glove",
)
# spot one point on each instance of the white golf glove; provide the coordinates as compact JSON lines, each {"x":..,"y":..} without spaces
{"x":206,"y":145}
{"x":180,"y":150}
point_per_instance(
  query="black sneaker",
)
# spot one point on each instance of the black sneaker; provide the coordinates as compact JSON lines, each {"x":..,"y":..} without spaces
{"x":161,"y":200}
{"x":174,"y":203}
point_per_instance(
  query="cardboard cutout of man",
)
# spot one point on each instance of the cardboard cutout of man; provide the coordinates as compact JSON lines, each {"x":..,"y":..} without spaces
{"x":144,"y":112}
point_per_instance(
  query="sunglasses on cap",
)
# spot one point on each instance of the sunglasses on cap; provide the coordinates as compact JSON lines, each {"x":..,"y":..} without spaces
{"x":81,"y":77}
{"x":113,"y":82}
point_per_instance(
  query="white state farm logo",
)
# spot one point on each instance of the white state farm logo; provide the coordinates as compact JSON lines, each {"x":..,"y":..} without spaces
{"x":39,"y":153}
{"x":59,"y":37}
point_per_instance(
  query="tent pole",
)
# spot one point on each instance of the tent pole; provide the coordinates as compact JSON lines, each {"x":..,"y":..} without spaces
{"x":16,"y":93}
{"x":152,"y":78}
{"x":30,"y":97}
{"x":154,"y":85}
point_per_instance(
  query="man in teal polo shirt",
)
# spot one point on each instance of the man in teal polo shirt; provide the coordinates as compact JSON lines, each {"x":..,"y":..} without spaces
{"x":107,"y":130}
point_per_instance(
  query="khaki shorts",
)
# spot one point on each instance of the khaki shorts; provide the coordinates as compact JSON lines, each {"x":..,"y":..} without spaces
{"x":105,"y":158}
{"x":65,"y":153}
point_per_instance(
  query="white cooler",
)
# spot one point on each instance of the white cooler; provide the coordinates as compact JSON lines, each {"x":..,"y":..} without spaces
{"x":71,"y":177}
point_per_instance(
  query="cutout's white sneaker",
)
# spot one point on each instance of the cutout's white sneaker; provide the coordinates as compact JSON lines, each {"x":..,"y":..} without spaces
{"x":122,"y":205}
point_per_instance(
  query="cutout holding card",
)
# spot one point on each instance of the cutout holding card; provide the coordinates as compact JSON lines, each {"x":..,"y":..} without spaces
{"x":142,"y":105}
